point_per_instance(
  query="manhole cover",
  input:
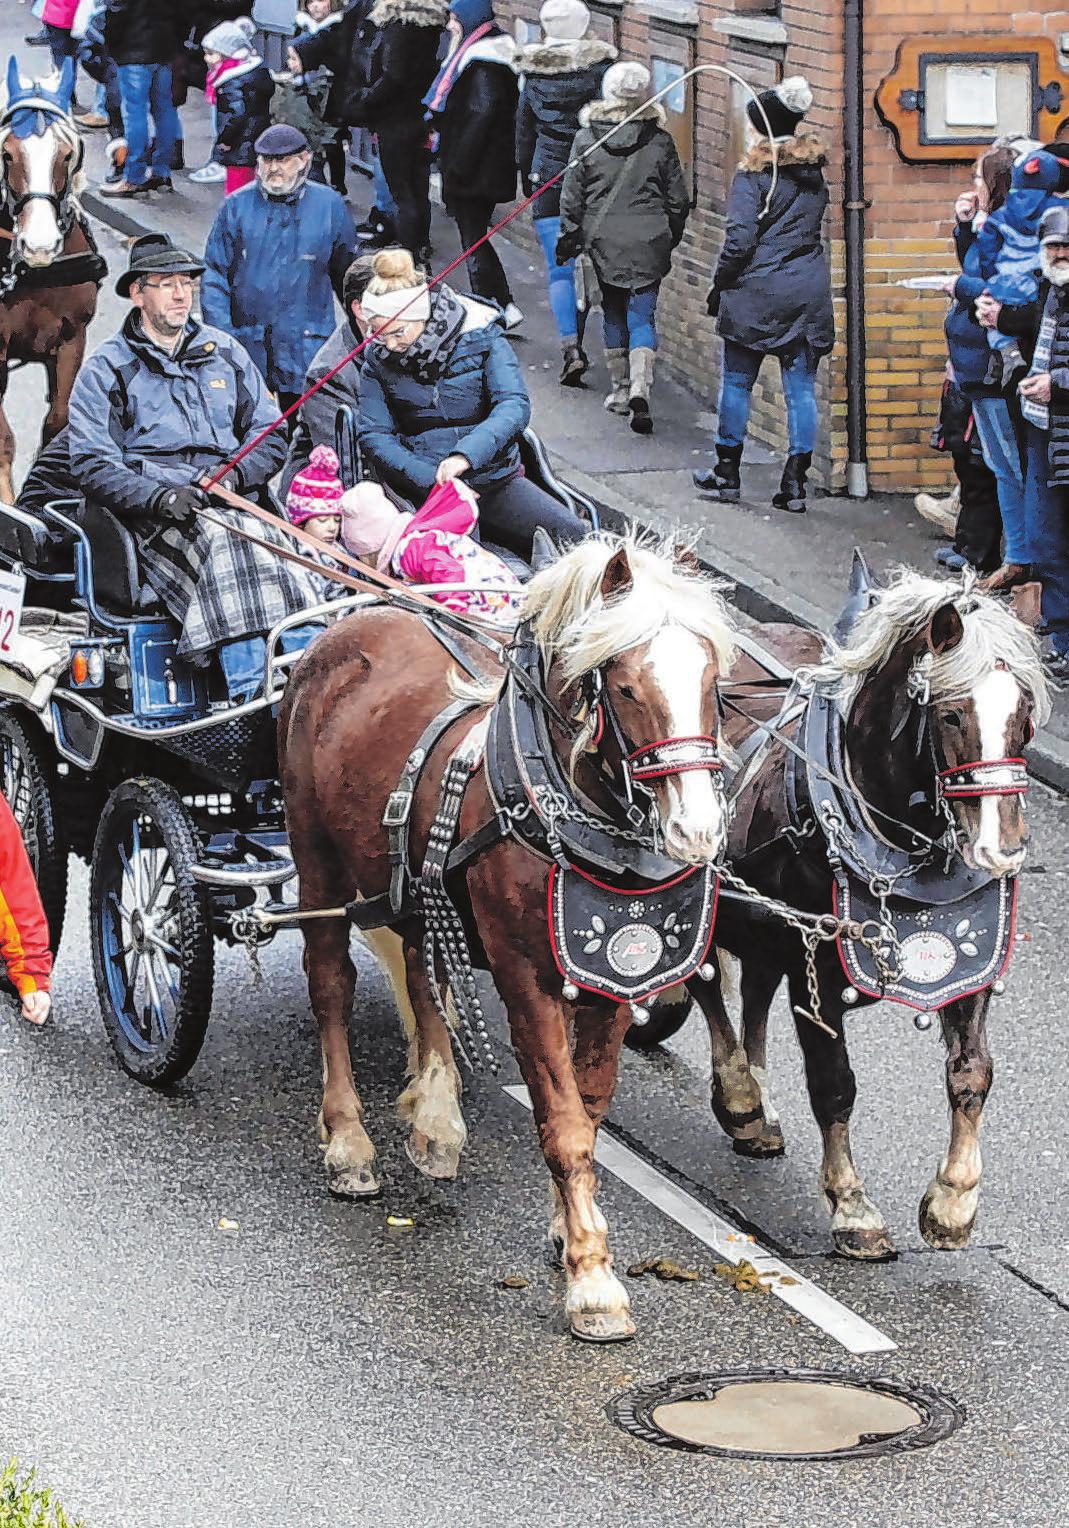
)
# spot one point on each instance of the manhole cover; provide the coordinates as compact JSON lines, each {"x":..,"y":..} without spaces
{"x":786,"y":1414}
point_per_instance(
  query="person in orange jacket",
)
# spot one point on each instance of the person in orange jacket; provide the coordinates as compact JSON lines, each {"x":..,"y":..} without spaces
{"x":23,"y":926}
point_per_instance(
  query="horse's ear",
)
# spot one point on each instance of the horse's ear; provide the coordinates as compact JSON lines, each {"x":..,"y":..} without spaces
{"x":65,"y":93}
{"x":617,"y":576}
{"x":14,"y":79}
{"x":945,"y":629}
{"x":543,"y":551}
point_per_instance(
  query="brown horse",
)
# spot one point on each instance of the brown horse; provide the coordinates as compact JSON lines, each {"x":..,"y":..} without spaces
{"x":938,"y":687}
{"x":657,"y":636}
{"x":40,"y":225}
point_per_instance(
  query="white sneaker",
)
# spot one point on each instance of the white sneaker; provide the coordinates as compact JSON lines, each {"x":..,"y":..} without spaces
{"x":513,"y":316}
{"x":208,"y":174}
{"x":940,"y":512}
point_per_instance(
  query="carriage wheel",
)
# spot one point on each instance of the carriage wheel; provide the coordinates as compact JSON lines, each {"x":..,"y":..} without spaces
{"x":26,"y":781}
{"x":151,"y":932}
{"x":665,"y":1020}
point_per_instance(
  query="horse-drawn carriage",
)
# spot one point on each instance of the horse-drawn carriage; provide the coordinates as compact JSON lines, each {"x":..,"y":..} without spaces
{"x":114,"y":749}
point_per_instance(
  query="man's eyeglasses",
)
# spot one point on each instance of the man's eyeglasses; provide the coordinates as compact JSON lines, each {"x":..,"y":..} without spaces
{"x":173,"y":285}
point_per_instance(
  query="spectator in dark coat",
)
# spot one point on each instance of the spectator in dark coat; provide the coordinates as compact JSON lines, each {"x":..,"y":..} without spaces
{"x":772,"y":291}
{"x":560,"y":75}
{"x":241,"y":87}
{"x":1045,"y":406}
{"x":626,"y":206}
{"x":442,"y":397}
{"x":403,"y":62}
{"x":277,"y":253}
{"x":144,"y":37}
{"x":472,"y":103}
{"x":318,"y":416}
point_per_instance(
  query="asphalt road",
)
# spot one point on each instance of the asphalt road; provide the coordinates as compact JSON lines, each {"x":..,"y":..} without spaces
{"x":315,"y":1367}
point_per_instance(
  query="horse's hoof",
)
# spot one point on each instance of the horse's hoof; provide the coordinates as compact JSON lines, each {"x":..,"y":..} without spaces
{"x":871,"y":1245}
{"x":434,"y":1159}
{"x":354,"y":1183}
{"x":602,"y":1326}
{"x":939,"y":1235}
{"x":769,"y":1143}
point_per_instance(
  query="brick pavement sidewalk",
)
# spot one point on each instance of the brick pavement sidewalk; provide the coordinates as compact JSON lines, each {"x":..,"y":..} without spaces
{"x":783,"y":566}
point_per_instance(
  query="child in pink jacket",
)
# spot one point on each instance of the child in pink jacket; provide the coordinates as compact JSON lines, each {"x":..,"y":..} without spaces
{"x":433,"y":546}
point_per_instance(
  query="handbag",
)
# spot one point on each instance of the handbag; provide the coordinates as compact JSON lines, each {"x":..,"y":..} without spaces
{"x":587,"y":286}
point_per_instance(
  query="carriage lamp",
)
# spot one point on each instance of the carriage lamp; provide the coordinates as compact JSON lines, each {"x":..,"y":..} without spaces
{"x":87,"y":668}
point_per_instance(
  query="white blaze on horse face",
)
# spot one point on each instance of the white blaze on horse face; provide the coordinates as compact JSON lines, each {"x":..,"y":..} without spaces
{"x":695,"y":819}
{"x":39,"y":238}
{"x":996,"y":699}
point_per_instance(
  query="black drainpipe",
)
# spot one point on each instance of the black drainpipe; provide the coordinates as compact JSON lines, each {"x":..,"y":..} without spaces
{"x":854,"y":205}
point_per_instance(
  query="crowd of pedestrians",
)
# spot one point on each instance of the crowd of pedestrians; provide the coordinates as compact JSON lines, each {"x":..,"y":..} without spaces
{"x":1005,"y":406}
{"x":440,"y":397}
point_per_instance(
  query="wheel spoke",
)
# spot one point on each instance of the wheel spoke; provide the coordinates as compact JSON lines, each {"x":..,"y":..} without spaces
{"x":167,"y":949}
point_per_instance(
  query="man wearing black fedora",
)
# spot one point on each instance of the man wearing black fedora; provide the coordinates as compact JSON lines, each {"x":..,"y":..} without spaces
{"x":156,"y":409}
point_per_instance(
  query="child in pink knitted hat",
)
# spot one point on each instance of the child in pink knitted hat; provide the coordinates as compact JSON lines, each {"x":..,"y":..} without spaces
{"x":314,"y":503}
{"x":433,"y":546}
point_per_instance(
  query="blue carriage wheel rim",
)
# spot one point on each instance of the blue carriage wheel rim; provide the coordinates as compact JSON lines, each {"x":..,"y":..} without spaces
{"x":133,"y":940}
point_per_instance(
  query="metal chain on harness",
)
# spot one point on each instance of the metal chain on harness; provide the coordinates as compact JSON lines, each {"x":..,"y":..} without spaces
{"x":444,"y":938}
{"x":816,"y":929}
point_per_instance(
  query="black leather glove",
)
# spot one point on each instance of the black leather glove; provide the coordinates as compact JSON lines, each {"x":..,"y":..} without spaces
{"x":179,"y":504}
{"x":712,"y":302}
{"x":568,"y":246}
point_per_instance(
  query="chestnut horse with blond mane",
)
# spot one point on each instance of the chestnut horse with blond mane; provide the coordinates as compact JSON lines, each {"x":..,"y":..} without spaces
{"x":656,"y":637}
{"x":50,"y":270}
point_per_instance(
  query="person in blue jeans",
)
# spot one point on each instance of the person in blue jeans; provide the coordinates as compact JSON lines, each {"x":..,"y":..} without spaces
{"x":560,"y":75}
{"x":771,"y":292}
{"x":624,"y":204}
{"x":143,"y":37}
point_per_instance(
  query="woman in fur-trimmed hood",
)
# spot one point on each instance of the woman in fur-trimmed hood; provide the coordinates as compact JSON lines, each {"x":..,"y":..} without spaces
{"x":559,"y":75}
{"x":625,"y":206}
{"x":771,"y":291}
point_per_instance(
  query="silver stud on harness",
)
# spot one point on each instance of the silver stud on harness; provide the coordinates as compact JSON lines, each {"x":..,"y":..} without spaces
{"x":984,"y":777}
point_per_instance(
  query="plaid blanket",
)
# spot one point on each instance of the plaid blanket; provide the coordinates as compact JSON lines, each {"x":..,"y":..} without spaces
{"x":221,"y":587}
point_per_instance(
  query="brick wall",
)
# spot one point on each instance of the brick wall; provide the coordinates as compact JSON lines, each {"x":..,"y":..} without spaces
{"x":908,"y":226}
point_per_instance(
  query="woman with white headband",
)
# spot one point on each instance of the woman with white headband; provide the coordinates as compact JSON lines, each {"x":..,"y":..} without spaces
{"x":442,"y":396}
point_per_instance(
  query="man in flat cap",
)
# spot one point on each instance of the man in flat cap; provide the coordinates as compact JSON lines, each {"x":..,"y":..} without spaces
{"x":155,"y":410}
{"x":275,"y":258}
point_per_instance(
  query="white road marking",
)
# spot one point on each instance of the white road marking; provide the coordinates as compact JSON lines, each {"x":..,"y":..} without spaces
{"x":808,"y":1299}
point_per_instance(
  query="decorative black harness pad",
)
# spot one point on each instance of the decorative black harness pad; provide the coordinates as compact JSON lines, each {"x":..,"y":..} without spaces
{"x":945,"y":951}
{"x":631,"y":945}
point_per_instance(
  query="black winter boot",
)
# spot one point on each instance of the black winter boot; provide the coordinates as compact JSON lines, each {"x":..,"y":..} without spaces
{"x":791,"y":494}
{"x":574,"y":366}
{"x":722,"y":481}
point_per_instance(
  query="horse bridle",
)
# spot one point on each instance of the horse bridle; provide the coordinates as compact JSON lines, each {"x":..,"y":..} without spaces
{"x":59,"y":201}
{"x":974,"y":779}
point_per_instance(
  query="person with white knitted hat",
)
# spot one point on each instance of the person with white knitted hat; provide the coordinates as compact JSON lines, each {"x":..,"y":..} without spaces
{"x":771,"y":292}
{"x":625,"y":204}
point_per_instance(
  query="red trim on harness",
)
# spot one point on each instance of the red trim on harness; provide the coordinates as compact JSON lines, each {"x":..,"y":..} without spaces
{"x":658,"y":767}
{"x":965,"y":780}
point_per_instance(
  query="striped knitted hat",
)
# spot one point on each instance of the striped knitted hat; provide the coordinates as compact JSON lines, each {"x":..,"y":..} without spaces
{"x":317,"y":488}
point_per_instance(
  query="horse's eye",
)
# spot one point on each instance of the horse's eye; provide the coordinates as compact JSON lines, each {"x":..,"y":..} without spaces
{"x":952,"y":719}
{"x":627,"y":692}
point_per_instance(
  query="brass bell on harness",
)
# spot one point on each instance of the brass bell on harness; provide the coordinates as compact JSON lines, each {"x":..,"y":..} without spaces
{"x":569,"y":992}
{"x":639,"y":1015}
{"x":707,"y":973}
{"x":922,"y":1021}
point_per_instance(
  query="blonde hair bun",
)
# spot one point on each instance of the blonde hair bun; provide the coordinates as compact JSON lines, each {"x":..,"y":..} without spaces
{"x":395,"y":267}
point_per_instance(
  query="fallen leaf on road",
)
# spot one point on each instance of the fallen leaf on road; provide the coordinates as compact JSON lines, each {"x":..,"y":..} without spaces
{"x":514,"y":1281}
{"x":665,"y":1268}
{"x":229,"y":1225}
{"x":404,"y":1221}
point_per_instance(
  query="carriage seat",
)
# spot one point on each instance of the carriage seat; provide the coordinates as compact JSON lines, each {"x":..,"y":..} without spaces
{"x":117,"y":579}
{"x":40,"y":548}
